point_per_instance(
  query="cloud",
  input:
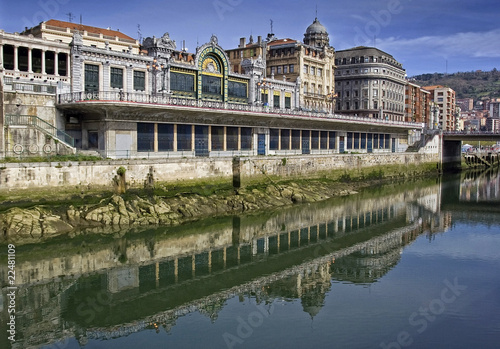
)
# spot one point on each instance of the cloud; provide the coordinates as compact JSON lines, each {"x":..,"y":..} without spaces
{"x":467,"y":44}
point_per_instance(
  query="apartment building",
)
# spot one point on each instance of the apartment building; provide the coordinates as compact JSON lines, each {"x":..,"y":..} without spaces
{"x":370,"y":83}
{"x":445,"y":99}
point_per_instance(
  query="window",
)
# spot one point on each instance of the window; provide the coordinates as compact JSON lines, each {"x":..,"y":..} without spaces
{"x":285,"y":69}
{"x":306,"y":69}
{"x":285,"y":139}
{"x":331,"y":139}
{"x":181,"y":82}
{"x":211,"y":85}
{"x":279,"y":69}
{"x":320,"y":71}
{"x":116,"y":77}
{"x":295,"y":139}
{"x":184,"y":135}
{"x":145,"y":136}
{"x":314,"y":139}
{"x":217,"y":134}
{"x":91,"y":78}
{"x":237,"y":89}
{"x":323,"y":141}
{"x":246,"y":138}
{"x":165,"y":137}
{"x":313,"y":70}
{"x":291,"y":68}
{"x":274,"y":138}
{"x":276,"y":101}
{"x":288,"y":102}
{"x":139,"y":80}
{"x":8,"y":57}
{"x":273,"y":70}
{"x":231,"y":138}
{"x":62,"y":64}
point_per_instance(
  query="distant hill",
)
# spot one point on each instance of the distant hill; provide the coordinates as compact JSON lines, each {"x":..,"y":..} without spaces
{"x":476,"y":85}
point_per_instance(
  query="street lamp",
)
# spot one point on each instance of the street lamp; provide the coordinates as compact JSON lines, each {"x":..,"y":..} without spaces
{"x":155,"y":68}
{"x":331,"y":97}
{"x":264,"y":85}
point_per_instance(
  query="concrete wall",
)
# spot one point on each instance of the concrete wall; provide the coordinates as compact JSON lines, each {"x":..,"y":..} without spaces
{"x":101,"y":174}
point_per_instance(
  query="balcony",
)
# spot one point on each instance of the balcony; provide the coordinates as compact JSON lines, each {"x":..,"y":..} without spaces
{"x":169,"y":102}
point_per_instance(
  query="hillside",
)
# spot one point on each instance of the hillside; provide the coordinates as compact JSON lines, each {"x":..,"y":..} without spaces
{"x":474,"y":85}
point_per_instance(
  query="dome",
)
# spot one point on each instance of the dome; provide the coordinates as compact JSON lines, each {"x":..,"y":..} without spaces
{"x":316,"y":28}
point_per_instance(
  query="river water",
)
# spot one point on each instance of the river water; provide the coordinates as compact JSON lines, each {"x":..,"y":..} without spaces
{"x":412,"y":265}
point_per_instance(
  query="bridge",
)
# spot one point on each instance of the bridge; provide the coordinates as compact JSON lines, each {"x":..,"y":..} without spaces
{"x":451,"y":156}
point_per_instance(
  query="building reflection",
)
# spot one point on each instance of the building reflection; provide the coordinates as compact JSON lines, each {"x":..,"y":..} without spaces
{"x":110,"y":287}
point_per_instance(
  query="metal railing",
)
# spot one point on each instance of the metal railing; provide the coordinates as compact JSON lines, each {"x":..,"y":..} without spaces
{"x":167,"y":100}
{"x":42,"y":125}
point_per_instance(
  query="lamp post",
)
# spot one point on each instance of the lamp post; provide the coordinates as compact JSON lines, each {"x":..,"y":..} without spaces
{"x":331,"y":97}
{"x":264,"y":85}
{"x":154,"y":68}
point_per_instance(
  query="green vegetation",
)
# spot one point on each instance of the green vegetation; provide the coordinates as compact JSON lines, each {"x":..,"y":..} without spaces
{"x":55,"y":158}
{"x":476,"y":84}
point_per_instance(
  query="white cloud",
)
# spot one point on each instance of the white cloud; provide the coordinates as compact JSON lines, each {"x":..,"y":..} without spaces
{"x":469,"y":44}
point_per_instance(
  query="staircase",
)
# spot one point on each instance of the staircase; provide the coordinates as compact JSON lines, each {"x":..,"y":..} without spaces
{"x":41,"y":125}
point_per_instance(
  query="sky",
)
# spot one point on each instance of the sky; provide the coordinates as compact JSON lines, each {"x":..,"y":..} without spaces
{"x":426,"y":36}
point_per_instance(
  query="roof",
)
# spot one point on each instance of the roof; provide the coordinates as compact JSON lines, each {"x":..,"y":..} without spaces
{"x":316,"y":28}
{"x":87,"y":28}
{"x":281,"y":42}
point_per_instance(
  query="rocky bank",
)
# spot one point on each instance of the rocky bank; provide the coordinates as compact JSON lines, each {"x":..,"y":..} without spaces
{"x":121,"y":212}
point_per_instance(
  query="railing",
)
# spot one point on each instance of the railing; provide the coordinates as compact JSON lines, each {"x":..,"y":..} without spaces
{"x":167,"y":100}
{"x":45,"y":127}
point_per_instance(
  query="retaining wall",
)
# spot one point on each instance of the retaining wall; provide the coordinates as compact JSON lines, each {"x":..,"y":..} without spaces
{"x":246,"y":170}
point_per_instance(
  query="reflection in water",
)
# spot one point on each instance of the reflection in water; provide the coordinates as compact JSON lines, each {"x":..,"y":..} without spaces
{"x":103,"y":287}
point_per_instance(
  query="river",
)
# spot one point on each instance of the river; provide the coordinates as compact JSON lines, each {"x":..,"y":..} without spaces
{"x":411,"y":265}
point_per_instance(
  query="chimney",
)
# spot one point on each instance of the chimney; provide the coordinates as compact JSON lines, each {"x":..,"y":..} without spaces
{"x":242,"y":42}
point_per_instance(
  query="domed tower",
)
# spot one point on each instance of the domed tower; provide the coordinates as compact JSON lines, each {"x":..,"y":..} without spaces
{"x":316,"y":35}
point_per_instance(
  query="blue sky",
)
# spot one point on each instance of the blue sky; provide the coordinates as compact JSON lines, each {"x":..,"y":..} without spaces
{"x":426,"y":36}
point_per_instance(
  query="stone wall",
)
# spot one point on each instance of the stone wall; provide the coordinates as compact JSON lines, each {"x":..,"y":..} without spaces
{"x":139,"y":172}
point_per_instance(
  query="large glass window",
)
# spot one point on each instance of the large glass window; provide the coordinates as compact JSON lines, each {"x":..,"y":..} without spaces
{"x":91,"y":77}
{"x":323,"y":141}
{"x":181,"y":82}
{"x":331,"y":140}
{"x":285,"y":139}
{"x":211,"y":85}
{"x":237,"y":89}
{"x":314,"y":139}
{"x":231,"y":138}
{"x":349,"y":140}
{"x":274,"y":139}
{"x":356,"y":140}
{"x":363,"y":141}
{"x":116,"y":77}
{"x":217,"y":134}
{"x":184,"y":135}
{"x":295,"y":139}
{"x":246,"y":138}
{"x":288,"y":102}
{"x":139,"y":80}
{"x":165,"y":137}
{"x":145,"y":136}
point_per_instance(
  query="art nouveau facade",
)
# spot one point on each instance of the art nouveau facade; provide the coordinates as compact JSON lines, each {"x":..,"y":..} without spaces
{"x":163,"y":102}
